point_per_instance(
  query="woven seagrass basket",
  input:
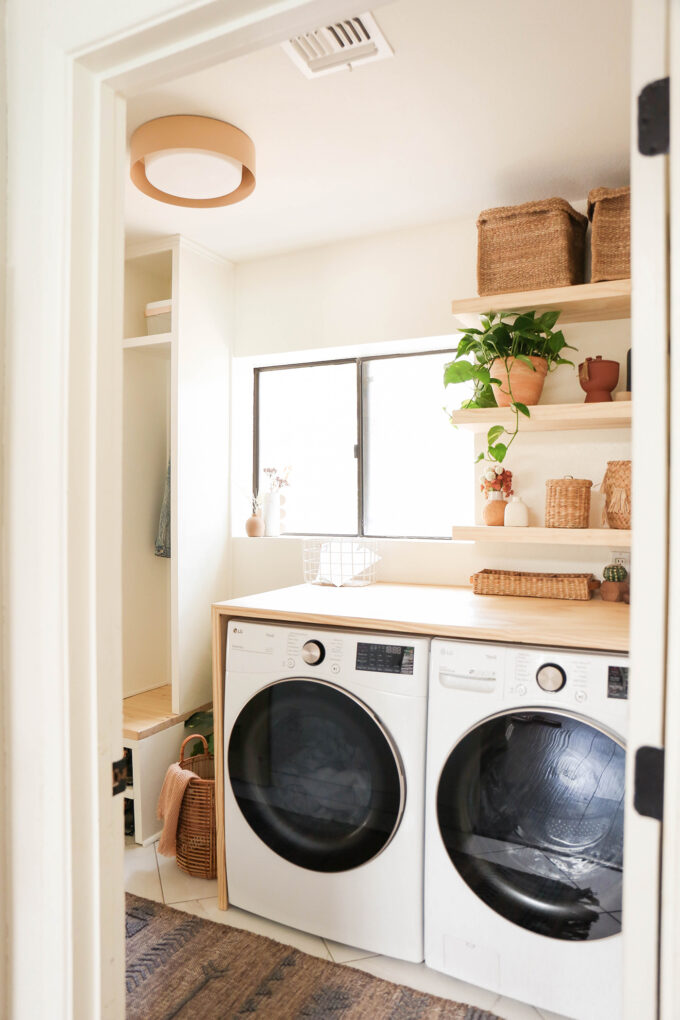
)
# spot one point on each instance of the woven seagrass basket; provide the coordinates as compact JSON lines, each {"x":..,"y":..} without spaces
{"x":609,"y":210}
{"x":567,"y":502}
{"x":196,"y":835}
{"x":616,"y":490}
{"x":530,"y":247}
{"x":541,"y":586}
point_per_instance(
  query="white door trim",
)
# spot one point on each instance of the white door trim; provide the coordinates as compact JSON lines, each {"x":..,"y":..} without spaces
{"x":61,"y":477}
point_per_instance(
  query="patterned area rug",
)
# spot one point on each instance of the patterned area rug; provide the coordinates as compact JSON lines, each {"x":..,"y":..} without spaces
{"x":180,"y":966}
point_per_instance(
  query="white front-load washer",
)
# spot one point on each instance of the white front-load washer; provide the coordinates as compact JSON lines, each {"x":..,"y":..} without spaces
{"x":325,"y":781}
{"x":524,"y":823}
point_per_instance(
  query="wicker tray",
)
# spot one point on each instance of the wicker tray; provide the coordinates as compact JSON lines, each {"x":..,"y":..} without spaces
{"x":196,"y":835}
{"x":530,"y":247}
{"x":540,"y":586}
{"x":609,"y":209}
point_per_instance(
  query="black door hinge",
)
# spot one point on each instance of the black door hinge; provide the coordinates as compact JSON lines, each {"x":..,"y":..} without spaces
{"x":119,"y":777}
{"x":648,"y":791}
{"x":653,"y":118}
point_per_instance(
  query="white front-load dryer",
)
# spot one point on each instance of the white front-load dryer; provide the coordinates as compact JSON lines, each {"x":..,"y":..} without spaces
{"x":524,"y":823}
{"x":325,"y":782}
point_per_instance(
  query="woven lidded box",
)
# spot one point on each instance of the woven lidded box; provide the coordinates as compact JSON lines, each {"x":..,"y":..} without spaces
{"x":567,"y":502}
{"x":530,"y":247}
{"x":609,"y":210}
{"x":541,"y":586}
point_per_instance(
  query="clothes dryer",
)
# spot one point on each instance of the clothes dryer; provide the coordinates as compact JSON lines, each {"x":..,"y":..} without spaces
{"x":324,"y":785}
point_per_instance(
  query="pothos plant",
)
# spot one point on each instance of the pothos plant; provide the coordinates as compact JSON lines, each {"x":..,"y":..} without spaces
{"x":502,"y":341}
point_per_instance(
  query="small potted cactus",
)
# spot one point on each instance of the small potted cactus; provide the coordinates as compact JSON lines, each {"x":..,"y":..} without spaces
{"x":615,"y":587}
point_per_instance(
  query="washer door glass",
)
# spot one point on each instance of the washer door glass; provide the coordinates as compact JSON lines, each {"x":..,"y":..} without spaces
{"x":315,"y":775}
{"x":530,"y":809}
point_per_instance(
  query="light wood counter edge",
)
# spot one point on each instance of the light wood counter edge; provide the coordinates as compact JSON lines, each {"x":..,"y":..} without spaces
{"x":219,"y":649}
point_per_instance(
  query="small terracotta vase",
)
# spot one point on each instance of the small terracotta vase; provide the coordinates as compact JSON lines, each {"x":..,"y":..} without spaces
{"x":255,"y":526}
{"x":526,"y":385}
{"x":493,"y":513}
{"x":598,"y":377}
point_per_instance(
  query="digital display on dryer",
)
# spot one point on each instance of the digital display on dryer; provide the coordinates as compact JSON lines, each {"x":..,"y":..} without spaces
{"x":617,"y":682}
{"x":376,"y":658}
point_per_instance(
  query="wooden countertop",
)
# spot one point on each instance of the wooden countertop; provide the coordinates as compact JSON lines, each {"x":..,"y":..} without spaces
{"x":150,"y":712}
{"x":443,"y":612}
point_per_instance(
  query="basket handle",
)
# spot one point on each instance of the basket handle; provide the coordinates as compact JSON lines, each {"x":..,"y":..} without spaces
{"x":192,"y":736}
{"x":593,"y":584}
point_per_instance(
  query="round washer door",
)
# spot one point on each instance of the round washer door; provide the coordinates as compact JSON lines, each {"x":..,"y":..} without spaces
{"x":316,"y":775}
{"x":530,"y":809}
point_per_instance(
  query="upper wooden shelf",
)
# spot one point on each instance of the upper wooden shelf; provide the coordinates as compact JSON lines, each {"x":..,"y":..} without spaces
{"x":550,"y":417}
{"x":608,"y":538}
{"x":157,"y":343}
{"x":586,"y":302}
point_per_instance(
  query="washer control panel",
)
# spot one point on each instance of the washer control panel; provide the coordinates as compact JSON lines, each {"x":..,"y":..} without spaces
{"x":313,"y":653}
{"x":550,"y":677}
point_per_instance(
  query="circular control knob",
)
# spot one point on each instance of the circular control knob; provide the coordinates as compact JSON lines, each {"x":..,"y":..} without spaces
{"x":313,"y":652}
{"x":550,"y":677}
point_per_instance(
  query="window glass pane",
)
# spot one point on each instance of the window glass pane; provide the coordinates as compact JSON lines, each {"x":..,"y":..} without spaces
{"x":308,"y":423}
{"x":418,"y":469}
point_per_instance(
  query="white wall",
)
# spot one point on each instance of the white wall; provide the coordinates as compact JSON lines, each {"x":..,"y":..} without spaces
{"x":386,"y":290}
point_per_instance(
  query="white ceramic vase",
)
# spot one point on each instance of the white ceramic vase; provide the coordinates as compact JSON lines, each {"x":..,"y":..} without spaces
{"x":516,"y":514}
{"x":272,"y":514}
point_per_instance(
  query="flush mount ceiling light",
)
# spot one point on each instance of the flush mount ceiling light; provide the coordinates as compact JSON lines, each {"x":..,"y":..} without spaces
{"x":198,"y":162}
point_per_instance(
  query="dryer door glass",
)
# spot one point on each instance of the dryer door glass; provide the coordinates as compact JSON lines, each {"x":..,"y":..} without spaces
{"x":315,"y":775}
{"x":530,"y":809}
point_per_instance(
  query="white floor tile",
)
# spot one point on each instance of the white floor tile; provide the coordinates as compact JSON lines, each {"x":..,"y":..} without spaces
{"x":238,"y":918}
{"x":345,"y":954}
{"x":512,"y":1009}
{"x":178,"y":886}
{"x":545,"y":1014}
{"x":420,"y":977}
{"x":141,"y":872}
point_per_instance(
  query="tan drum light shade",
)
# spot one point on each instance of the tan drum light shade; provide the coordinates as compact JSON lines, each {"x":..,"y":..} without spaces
{"x":205,"y":135}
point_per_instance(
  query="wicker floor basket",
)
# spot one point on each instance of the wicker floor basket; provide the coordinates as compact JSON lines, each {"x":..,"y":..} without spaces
{"x":196,"y":836}
{"x":530,"y":247}
{"x":609,"y":210}
{"x":567,"y":502}
{"x":540,"y":586}
{"x":616,"y":491}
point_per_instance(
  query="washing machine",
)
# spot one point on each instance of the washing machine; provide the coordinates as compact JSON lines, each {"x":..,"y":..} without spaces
{"x":524,"y":823}
{"x":325,"y":782}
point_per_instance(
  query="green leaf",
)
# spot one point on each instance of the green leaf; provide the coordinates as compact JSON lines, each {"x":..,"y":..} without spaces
{"x":494,"y":433}
{"x":480,"y":457}
{"x":548,"y":320}
{"x":522,"y":408}
{"x":564,"y":361}
{"x":498,"y":452}
{"x":526,"y":361}
{"x":458,"y":371}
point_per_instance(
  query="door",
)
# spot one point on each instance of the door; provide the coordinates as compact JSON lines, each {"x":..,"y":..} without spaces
{"x":530,"y":809}
{"x":316,"y":775}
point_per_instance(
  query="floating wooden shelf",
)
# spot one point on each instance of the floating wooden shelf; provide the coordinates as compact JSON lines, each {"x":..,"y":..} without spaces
{"x":550,"y":417}
{"x":157,"y":343}
{"x":586,"y":302}
{"x":608,"y":538}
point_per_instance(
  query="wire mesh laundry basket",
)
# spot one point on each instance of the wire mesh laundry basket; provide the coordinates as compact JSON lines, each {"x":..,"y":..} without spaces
{"x":341,"y":562}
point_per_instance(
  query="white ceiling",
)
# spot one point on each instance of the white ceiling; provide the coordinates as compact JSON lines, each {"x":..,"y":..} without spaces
{"x":485,"y":103}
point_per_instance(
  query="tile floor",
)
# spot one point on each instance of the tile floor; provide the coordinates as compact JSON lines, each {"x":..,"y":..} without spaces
{"x":158,"y":878}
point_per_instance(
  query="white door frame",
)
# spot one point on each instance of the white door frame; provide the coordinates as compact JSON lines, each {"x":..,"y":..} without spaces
{"x":61,"y":627}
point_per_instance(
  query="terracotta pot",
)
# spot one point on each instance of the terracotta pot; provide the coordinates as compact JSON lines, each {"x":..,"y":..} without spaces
{"x":494,"y":510}
{"x":255,"y":526}
{"x":598,"y":378}
{"x":526,"y":385}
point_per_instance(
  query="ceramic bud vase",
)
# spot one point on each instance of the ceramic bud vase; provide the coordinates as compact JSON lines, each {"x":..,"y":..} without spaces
{"x":255,"y":526}
{"x":272,"y":514}
{"x":494,"y":509}
{"x":516,"y":514}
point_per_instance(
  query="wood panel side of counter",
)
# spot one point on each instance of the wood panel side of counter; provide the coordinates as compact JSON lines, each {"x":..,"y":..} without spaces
{"x":219,"y":652}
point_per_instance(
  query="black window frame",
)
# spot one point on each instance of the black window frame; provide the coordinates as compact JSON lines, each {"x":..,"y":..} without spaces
{"x":359,"y":448}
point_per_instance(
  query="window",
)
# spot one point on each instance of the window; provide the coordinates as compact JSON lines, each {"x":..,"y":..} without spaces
{"x":368,"y":444}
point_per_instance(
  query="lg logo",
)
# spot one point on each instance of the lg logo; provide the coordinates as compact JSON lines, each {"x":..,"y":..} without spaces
{"x":238,"y":630}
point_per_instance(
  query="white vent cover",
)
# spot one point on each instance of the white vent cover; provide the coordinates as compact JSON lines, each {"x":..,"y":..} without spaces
{"x":339,"y":46}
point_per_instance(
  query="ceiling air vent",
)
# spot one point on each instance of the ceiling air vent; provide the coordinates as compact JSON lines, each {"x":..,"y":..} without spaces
{"x":337,"y":47}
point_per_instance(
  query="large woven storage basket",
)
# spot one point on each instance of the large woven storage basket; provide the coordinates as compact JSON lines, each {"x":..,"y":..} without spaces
{"x":567,"y":502}
{"x":609,"y":210}
{"x":196,"y":836}
{"x":541,"y":586}
{"x":616,"y":491}
{"x":530,"y":247}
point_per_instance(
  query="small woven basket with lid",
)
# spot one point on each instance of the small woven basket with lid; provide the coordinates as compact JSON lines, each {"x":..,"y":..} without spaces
{"x":567,"y":502}
{"x":530,"y":247}
{"x":609,"y":210}
{"x":196,"y":834}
